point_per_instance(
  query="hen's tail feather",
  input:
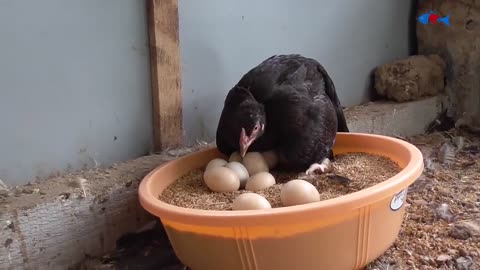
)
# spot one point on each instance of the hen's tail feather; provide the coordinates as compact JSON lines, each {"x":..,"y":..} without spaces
{"x":332,"y":94}
{"x":342,"y":122}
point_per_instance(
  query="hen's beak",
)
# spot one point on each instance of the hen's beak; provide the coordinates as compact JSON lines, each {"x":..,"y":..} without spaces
{"x":245,"y":142}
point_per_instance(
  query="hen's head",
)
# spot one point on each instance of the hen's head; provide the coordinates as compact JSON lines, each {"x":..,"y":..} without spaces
{"x":252,"y":120}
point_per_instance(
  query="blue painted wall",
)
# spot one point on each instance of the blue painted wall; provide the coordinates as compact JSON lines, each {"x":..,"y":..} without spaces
{"x":74,"y":75}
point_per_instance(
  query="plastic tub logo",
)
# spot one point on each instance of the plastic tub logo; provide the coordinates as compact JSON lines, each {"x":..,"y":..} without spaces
{"x":398,"y":200}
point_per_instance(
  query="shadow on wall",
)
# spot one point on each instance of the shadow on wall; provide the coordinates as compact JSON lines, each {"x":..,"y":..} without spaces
{"x":370,"y":85}
{"x":412,"y":25}
{"x":200,"y":102}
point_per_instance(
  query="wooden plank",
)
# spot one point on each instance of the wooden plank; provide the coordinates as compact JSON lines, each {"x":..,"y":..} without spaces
{"x":165,"y":72}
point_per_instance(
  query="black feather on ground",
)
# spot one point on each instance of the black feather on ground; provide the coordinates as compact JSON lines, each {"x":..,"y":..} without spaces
{"x":441,"y":123}
{"x":145,"y":250}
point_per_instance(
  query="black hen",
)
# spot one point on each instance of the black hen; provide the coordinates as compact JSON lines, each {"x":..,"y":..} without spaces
{"x":287,"y":103}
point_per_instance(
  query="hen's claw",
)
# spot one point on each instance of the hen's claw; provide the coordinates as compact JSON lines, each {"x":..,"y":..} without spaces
{"x":322,"y":167}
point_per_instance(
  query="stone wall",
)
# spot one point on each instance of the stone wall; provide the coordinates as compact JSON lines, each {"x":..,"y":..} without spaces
{"x":459,"y":46}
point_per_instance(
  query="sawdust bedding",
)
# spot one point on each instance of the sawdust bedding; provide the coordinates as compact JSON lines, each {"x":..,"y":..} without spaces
{"x":352,"y":172}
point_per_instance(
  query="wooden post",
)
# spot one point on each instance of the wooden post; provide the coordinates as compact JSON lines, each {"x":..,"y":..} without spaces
{"x":165,"y":73}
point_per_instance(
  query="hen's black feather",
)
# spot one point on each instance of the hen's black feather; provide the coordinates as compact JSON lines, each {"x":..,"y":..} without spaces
{"x":298,"y":101}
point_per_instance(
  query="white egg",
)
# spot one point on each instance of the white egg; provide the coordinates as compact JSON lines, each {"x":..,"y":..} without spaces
{"x":255,"y":163}
{"x":216,"y":162}
{"x":235,"y":156}
{"x":240,"y":170}
{"x":271,"y":158}
{"x":259,"y":181}
{"x":250,"y":201}
{"x":298,"y":191}
{"x":221,"y":179}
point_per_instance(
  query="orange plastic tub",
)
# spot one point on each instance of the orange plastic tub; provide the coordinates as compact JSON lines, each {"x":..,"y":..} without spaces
{"x":346,"y":232}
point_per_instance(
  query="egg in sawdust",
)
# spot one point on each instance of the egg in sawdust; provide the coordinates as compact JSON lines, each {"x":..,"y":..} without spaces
{"x":240,"y":170}
{"x":298,"y":191}
{"x":250,"y":201}
{"x":259,"y":181}
{"x":255,"y":163}
{"x":235,"y":156}
{"x":271,"y":158}
{"x":216,"y":162}
{"x":221,"y":179}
